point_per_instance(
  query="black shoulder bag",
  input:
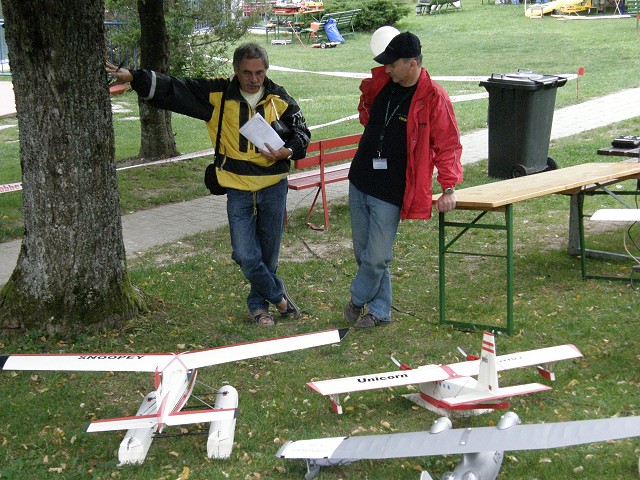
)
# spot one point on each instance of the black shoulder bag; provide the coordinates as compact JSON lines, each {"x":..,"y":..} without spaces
{"x":210,"y":176}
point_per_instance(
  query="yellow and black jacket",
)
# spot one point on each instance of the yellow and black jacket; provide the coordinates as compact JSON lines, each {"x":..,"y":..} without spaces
{"x":243,"y":167}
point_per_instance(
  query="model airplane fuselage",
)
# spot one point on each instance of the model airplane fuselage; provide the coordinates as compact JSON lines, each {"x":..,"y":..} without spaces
{"x":453,"y":388}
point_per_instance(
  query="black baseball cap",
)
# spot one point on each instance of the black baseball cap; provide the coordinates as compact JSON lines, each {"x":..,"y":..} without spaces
{"x":403,"y":45}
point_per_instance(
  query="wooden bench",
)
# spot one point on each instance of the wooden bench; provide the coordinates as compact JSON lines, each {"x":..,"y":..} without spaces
{"x":330,"y":157}
{"x":344,"y":21}
{"x":430,"y":6}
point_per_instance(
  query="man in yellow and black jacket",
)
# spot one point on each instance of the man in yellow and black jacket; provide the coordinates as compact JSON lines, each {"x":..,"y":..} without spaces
{"x":256,"y":179}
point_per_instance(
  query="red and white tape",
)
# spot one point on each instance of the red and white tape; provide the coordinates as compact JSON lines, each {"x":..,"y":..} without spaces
{"x":10,"y":187}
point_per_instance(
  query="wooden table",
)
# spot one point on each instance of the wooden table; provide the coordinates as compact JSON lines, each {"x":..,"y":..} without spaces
{"x":288,"y":20}
{"x":501,"y":196}
{"x":620,"y":152}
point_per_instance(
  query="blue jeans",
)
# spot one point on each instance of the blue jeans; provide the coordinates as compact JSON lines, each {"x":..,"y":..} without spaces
{"x":256,"y":221}
{"x":374,"y":224}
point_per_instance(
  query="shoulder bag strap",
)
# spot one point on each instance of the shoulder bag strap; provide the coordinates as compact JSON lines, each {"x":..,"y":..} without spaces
{"x":218,"y":158}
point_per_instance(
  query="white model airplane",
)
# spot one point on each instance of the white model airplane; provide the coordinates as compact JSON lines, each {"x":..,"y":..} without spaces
{"x":175,"y":377}
{"x":448,"y":389}
{"x":482,"y":448}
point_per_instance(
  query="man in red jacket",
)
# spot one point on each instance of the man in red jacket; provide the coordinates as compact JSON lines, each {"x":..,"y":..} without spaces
{"x":410,"y":128}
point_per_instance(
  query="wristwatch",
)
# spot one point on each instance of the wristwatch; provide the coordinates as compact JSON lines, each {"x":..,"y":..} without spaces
{"x":449,"y":191}
{"x":291,"y":154}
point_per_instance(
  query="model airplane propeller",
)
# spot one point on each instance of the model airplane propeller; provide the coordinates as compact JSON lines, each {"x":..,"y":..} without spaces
{"x":175,"y":377}
{"x":451,"y":388}
{"x":482,"y":448}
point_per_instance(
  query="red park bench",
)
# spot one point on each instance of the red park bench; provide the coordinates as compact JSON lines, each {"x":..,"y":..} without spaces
{"x":325,"y":163}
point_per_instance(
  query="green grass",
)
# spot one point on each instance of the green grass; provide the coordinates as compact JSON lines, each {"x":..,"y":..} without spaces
{"x":198,"y":293}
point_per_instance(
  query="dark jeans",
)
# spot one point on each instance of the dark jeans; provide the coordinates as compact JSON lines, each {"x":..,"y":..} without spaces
{"x":256,"y":220}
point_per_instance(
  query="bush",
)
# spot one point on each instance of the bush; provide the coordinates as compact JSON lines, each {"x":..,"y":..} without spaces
{"x":374,"y":14}
{"x":379,"y":13}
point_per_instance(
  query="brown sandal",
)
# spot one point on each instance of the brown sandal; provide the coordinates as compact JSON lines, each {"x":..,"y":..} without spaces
{"x":264,"y":319}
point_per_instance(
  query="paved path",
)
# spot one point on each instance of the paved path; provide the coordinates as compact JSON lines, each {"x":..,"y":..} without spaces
{"x":166,"y":224}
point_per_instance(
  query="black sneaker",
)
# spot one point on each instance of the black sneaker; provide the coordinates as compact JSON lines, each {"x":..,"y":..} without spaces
{"x":292,"y":310}
{"x":352,"y":312}
{"x":368,"y":321}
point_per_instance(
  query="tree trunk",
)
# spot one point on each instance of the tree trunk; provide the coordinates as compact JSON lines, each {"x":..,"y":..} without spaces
{"x":71,"y":273}
{"x":157,"y":138}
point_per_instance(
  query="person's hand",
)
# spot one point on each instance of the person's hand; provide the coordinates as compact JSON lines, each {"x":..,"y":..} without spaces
{"x":121,"y":75}
{"x":275,"y":155}
{"x":446,"y":202}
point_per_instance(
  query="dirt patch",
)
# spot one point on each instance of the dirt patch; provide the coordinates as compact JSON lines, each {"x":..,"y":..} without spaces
{"x":304,"y":250}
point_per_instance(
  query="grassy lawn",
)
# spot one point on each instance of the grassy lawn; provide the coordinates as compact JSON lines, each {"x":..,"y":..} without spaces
{"x":198,"y":293}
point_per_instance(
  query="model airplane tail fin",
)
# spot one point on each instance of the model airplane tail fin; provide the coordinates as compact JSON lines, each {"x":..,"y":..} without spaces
{"x":488,"y":373}
{"x":151,"y":421}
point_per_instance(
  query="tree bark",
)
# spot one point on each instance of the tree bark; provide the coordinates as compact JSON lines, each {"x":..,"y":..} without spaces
{"x":157,"y":137}
{"x":71,"y":273}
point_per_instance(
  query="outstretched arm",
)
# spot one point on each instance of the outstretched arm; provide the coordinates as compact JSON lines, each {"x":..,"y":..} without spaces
{"x":122,"y":75}
{"x":189,"y":97}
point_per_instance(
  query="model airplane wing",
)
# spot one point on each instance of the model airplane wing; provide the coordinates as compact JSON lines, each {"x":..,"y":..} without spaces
{"x":335,"y":450}
{"x":527,"y":358}
{"x":150,"y":362}
{"x":215,"y":356}
{"x":540,"y":356}
{"x":88,"y":362}
{"x":374,"y":381}
{"x":435,"y":373}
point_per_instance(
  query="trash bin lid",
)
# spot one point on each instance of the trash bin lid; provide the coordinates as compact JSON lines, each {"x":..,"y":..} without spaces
{"x":524,"y":79}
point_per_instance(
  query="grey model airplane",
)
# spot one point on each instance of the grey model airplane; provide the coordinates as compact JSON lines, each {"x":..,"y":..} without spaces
{"x":482,"y":448}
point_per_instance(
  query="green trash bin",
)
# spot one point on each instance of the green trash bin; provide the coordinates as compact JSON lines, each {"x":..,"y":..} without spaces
{"x":521,"y":108}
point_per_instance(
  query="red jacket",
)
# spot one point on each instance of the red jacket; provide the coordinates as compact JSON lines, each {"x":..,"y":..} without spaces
{"x":433,"y":139}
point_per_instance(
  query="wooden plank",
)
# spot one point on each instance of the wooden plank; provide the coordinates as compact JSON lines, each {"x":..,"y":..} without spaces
{"x":620,"y":152}
{"x":492,"y":196}
{"x":302,"y":180}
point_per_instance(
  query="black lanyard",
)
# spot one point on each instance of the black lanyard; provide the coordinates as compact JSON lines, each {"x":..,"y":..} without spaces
{"x":387,"y":117}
